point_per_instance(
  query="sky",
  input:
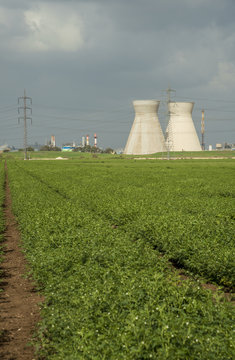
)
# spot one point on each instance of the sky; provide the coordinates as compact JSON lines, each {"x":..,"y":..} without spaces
{"x":83,"y":62}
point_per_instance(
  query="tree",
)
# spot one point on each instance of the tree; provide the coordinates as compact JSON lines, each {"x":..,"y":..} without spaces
{"x":87,"y":148}
{"x":49,"y":148}
{"x":108,"y":151}
{"x":30,"y":148}
{"x":227,"y":146}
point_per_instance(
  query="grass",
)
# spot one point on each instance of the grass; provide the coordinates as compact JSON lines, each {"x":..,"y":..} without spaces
{"x":77,"y":155}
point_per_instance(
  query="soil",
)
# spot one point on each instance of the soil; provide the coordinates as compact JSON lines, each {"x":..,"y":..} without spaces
{"x":224,"y":293}
{"x":229,"y":296}
{"x":19,"y":303}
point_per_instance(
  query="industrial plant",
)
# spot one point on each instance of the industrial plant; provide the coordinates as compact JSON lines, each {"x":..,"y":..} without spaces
{"x":84,"y":144}
{"x":146,"y":136}
{"x":181,"y":134}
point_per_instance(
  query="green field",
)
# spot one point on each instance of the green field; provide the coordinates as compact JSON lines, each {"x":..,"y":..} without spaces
{"x":190,"y":154}
{"x":78,"y":155}
{"x":100,"y":235}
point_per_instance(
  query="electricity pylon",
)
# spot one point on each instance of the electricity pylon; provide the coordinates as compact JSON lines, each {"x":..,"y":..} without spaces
{"x":25,"y":117}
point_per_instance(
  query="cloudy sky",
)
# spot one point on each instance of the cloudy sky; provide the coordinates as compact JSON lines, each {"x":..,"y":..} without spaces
{"x":83,"y":62}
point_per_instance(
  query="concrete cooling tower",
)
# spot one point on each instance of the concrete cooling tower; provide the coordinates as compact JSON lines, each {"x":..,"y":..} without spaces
{"x":146,"y":135}
{"x":181,"y":134}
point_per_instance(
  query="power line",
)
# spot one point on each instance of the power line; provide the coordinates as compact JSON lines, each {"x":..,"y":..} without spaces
{"x":65,"y":117}
{"x":7,"y":106}
{"x":7,"y":110}
{"x":104,"y":110}
{"x":206,"y":99}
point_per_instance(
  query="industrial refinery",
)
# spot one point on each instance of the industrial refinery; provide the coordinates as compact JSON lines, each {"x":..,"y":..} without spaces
{"x":85,"y":143}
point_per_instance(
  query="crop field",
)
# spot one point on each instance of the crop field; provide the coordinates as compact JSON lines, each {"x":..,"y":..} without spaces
{"x":101,"y":236}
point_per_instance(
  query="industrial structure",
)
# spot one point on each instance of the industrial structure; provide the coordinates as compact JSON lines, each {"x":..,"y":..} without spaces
{"x":52,"y":143}
{"x":83,"y":141}
{"x":95,"y":140}
{"x":5,"y":148}
{"x":67,"y":148}
{"x":146,"y":136}
{"x":203,"y":129}
{"x":181,"y":134}
{"x":24,"y":100}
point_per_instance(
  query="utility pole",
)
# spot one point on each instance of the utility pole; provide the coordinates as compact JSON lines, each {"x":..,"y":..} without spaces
{"x":25,"y":99}
{"x":168,"y":134}
{"x":203,"y":129}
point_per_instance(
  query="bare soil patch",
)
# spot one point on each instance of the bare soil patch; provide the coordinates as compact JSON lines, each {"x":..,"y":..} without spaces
{"x":224,"y":293}
{"x":229,"y":296}
{"x":19,"y":303}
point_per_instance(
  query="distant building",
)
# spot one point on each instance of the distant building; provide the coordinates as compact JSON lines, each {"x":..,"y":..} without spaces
{"x":219,"y":146}
{"x":68,"y":148}
{"x":5,"y":148}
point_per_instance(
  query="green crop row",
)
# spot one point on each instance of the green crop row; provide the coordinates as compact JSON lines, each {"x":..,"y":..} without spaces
{"x":107,"y":295}
{"x":185,"y":210}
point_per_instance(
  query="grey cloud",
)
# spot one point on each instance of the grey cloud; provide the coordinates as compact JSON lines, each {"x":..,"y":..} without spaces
{"x":132,"y":49}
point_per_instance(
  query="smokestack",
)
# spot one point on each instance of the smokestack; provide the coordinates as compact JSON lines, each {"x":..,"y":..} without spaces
{"x":83,"y":141}
{"x":87,"y":140}
{"x":52,"y":141}
{"x":95,"y":140}
{"x":181,"y":132}
{"x":146,"y":135}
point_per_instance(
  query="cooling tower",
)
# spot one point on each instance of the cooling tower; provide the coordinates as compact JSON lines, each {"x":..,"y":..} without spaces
{"x":146,"y":135}
{"x":181,"y":134}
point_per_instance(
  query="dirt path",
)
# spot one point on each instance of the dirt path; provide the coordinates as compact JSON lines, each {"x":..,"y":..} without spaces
{"x":19,"y":309}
